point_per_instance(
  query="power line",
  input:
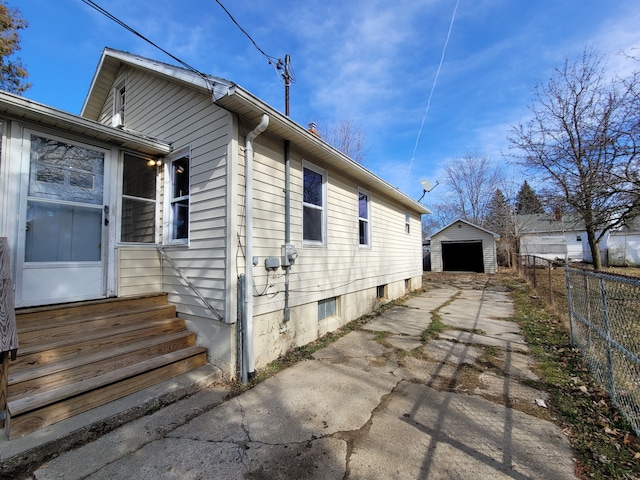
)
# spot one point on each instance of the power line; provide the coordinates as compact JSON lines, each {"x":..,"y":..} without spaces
{"x":433,"y":87}
{"x":112,"y":17}
{"x":278,"y":64}
{"x":271,"y":59}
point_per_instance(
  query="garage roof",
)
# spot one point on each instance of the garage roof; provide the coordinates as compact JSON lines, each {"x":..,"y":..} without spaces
{"x":495,"y":235}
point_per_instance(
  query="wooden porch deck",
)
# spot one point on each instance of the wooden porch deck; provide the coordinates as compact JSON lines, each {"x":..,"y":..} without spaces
{"x":79,"y":356}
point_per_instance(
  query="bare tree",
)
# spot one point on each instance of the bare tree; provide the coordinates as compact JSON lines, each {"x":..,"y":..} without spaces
{"x":346,"y":136}
{"x":583,"y":138}
{"x":473,"y":179}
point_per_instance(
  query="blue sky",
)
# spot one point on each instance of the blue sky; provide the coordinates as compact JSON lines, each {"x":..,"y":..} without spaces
{"x":371,"y":61}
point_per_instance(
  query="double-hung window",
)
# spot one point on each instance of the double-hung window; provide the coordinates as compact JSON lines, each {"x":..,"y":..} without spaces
{"x":364,"y":226}
{"x":314,"y":205}
{"x":177,"y":198}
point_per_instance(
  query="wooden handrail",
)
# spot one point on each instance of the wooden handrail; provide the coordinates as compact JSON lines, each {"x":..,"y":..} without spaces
{"x":8,"y":330}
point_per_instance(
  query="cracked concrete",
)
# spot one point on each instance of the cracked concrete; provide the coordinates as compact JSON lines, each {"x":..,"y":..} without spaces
{"x":361,"y":409}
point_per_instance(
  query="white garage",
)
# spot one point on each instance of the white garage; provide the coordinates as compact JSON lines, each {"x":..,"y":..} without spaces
{"x":464,"y":247}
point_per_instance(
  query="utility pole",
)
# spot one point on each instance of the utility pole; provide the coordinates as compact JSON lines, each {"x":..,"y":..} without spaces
{"x":286,"y":74}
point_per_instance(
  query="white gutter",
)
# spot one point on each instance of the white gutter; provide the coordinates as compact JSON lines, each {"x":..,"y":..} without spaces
{"x":248,"y":175}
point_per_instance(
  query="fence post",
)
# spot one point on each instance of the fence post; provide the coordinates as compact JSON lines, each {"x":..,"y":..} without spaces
{"x":607,"y":339}
{"x":534,"y":273}
{"x":550,"y":283}
{"x":567,"y":281}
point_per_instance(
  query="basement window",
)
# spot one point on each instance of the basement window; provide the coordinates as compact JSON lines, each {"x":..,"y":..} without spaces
{"x":327,"y":308}
{"x":381,"y":292}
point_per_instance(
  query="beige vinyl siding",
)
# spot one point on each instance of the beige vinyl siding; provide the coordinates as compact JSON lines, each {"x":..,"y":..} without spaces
{"x":340,"y":267}
{"x":187,"y":118}
{"x":139,"y":270}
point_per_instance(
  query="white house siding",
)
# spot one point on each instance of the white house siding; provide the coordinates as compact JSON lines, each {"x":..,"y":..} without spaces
{"x":461,"y":232}
{"x":623,"y":249}
{"x":565,"y":246}
{"x":340,"y":269}
{"x":185,"y":117}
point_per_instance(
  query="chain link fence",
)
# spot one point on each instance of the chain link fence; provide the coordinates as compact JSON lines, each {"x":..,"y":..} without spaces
{"x":604,"y":317}
{"x":546,"y":276}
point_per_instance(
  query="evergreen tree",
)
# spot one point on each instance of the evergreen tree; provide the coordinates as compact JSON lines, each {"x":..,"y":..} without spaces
{"x":13,"y":75}
{"x":500,"y":221}
{"x":527,"y":201}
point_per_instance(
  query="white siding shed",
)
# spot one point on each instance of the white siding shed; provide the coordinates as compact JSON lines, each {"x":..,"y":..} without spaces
{"x":464,"y":247}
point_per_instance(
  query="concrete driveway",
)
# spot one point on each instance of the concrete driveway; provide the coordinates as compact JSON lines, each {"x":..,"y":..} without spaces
{"x":376,"y":404}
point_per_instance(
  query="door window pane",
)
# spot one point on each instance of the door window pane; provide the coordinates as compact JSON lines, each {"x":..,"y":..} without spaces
{"x":60,"y":171}
{"x":63,"y":233}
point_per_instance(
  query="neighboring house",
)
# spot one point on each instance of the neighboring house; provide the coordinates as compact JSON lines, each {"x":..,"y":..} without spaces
{"x":463,"y":246}
{"x":618,"y":248}
{"x":552,"y":237}
{"x":176,"y":182}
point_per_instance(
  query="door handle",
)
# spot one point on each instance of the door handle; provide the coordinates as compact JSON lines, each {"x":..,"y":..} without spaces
{"x":106,"y":215}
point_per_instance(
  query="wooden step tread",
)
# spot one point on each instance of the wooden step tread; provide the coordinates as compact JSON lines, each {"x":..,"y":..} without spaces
{"x":89,"y":336}
{"x":157,"y":343}
{"x":32,"y":421}
{"x":53,"y":333}
{"x":87,"y":308}
{"x":104,"y":318}
{"x":41,"y":358}
{"x":51,"y":396}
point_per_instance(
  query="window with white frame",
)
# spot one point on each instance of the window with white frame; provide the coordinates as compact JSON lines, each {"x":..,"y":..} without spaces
{"x":177,"y":198}
{"x":314,"y":210}
{"x":364,"y":226}
{"x":119,"y":104}
{"x":407,"y":223}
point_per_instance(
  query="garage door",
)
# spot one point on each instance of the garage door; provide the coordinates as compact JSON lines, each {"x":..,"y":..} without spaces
{"x":462,"y":256}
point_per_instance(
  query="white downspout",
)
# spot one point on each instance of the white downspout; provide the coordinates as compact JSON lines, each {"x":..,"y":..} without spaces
{"x":248,"y":179}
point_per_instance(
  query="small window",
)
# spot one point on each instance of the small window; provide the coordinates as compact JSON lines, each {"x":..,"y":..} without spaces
{"x":177,"y":192}
{"x":327,"y":308}
{"x":314,"y":187}
{"x":407,"y":284}
{"x":381,"y":291}
{"x":119,"y":103}
{"x":407,"y":223}
{"x":363,"y":219}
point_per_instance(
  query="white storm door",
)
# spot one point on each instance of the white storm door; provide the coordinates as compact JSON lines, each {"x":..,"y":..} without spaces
{"x":62,"y":223}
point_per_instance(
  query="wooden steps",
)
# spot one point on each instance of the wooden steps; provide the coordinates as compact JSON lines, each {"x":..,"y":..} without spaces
{"x":76,"y":357}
